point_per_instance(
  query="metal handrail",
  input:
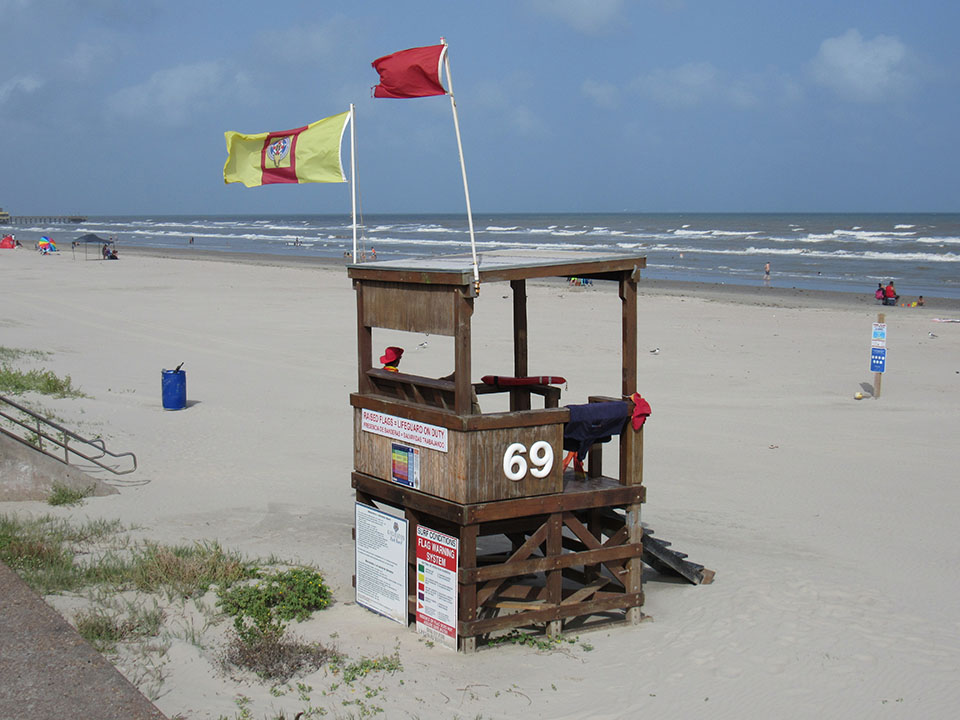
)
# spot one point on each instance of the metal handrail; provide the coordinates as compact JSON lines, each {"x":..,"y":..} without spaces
{"x":42,"y":429}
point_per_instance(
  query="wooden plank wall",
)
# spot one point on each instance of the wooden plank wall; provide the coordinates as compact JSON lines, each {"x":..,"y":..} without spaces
{"x":413,"y":308}
{"x":471,"y":470}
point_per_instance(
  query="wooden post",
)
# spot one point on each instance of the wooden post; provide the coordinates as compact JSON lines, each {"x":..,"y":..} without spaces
{"x":463,"y":314}
{"x":554,"y":577}
{"x":628,"y":296}
{"x":881,"y":318}
{"x":634,"y":580}
{"x":364,"y":344}
{"x":631,"y":443}
{"x":519,"y":399}
{"x":468,"y":592}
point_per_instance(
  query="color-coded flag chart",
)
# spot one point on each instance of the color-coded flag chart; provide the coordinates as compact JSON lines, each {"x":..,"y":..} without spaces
{"x":437,"y":562}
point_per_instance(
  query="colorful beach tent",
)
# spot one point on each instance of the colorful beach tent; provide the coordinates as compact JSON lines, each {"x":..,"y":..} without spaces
{"x":7,"y":242}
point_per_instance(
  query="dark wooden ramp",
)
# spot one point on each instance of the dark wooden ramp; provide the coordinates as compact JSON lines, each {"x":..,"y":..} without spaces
{"x":658,"y":555}
{"x":48,"y":671}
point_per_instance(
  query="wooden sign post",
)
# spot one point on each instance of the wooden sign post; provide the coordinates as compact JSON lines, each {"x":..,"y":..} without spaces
{"x":878,"y":357}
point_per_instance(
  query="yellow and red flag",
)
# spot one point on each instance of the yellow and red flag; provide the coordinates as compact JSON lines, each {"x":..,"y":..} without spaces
{"x":310,"y":154}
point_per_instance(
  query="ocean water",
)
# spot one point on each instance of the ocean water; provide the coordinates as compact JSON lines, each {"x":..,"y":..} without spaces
{"x":845,"y":252}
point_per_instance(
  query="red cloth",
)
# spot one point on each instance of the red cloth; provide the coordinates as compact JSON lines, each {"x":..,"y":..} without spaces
{"x":504,"y":381}
{"x":410,"y":73}
{"x":641,"y":411}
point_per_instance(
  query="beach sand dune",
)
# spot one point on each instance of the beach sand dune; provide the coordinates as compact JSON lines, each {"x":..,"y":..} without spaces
{"x":829,"y":521}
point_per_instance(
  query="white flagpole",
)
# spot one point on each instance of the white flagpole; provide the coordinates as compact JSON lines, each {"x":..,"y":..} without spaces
{"x":353,"y":175}
{"x":463,"y":170}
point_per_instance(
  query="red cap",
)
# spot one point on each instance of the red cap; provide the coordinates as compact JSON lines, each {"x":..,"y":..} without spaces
{"x":392,"y":355}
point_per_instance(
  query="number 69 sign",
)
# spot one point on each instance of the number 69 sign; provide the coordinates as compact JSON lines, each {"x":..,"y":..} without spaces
{"x":515,"y":466}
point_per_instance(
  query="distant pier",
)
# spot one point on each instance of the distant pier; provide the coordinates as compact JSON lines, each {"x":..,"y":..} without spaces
{"x":35,"y":219}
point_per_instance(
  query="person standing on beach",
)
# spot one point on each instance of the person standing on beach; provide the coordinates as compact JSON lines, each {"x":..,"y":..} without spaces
{"x":766,"y":274}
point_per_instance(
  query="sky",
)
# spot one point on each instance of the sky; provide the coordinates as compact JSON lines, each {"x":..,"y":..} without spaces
{"x":118,"y":107}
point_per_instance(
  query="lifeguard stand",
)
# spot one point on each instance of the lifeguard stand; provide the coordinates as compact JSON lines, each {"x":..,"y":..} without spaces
{"x":573,"y":540}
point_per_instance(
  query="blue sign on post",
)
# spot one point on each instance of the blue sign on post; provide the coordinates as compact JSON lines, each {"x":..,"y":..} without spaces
{"x":878,"y":359}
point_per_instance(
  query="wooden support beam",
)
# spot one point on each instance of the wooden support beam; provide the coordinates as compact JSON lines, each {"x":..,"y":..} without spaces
{"x":555,"y":577}
{"x":468,"y":562}
{"x":523,"y":552}
{"x":517,"y":566}
{"x":590,"y":607}
{"x":628,"y":298}
{"x":463,"y":313}
{"x":634,"y":578}
{"x":364,"y":345}
{"x":520,"y":399}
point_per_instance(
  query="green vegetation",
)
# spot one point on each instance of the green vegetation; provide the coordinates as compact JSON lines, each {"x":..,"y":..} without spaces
{"x":104,"y":629}
{"x":122,"y":578}
{"x":62,"y":495}
{"x":185,"y":571}
{"x":43,"y":550}
{"x":45,"y":382}
{"x":17,"y":381}
{"x":543,"y":643}
{"x":8,"y":355}
{"x":364,"y":666}
{"x":261,"y":609}
{"x":53,"y":556}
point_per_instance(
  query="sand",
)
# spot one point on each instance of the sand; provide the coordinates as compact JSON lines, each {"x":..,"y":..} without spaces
{"x":829,"y":521}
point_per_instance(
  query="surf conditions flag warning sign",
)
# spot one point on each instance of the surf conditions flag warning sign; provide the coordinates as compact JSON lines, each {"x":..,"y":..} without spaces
{"x":437,"y":562}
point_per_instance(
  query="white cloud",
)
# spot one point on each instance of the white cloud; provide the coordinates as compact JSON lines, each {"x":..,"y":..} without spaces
{"x":308,"y":42}
{"x":604,"y":94}
{"x":172,"y":96}
{"x":862,"y":70}
{"x":86,"y":58}
{"x":22,"y":84}
{"x":683,"y":86}
{"x":526,"y":122}
{"x":698,"y":83}
{"x":505,"y":98}
{"x":587,"y":16}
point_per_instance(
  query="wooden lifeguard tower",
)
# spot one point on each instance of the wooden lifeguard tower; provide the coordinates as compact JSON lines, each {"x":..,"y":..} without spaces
{"x":565,"y":544}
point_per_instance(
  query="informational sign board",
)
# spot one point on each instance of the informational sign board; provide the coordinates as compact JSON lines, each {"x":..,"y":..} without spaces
{"x":437,"y":589}
{"x":879,"y":337}
{"x":407,"y":431}
{"x":381,"y":562}
{"x":405,"y":465}
{"x":878,"y":359}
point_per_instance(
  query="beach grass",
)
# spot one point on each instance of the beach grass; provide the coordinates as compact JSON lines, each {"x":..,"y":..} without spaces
{"x":45,"y":382}
{"x":17,"y":381}
{"x":63,"y":495}
{"x":104,"y":628}
{"x":55,"y":556}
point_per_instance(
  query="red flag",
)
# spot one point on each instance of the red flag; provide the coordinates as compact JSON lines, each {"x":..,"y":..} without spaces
{"x":410,"y":73}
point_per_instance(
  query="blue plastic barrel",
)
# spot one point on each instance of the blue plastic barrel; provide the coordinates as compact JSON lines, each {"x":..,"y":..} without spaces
{"x":174,"y":387}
